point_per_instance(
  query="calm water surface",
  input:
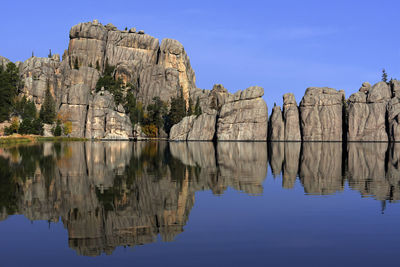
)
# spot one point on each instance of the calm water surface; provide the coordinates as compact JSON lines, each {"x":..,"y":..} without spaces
{"x":199,"y":204}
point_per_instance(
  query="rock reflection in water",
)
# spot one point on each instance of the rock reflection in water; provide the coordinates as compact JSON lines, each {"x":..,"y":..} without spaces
{"x":321,"y":168}
{"x":110,"y":194}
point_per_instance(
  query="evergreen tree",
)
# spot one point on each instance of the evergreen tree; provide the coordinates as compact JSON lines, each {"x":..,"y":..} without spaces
{"x":48,"y":110}
{"x":190,"y":110}
{"x":176,"y":113}
{"x":156,"y":112}
{"x":134,"y":108}
{"x":384,"y":76}
{"x":50,"y":55}
{"x":9,"y":83}
{"x":109,"y":83}
{"x":197,"y":108}
{"x":58,"y":130}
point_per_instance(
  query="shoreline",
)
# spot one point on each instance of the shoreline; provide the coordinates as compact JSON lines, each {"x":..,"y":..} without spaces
{"x":18,"y":139}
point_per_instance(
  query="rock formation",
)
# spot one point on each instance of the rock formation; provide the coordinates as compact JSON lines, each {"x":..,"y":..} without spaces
{"x":149,"y":68}
{"x":276,"y":125}
{"x":245,"y":117}
{"x":321,"y":112}
{"x":153,"y":70}
{"x":226,"y":117}
{"x":3,"y":62}
{"x":291,"y":118}
{"x":367,"y":113}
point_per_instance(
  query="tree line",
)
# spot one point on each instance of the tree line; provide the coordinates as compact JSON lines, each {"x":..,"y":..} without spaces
{"x":25,"y":118}
{"x":157,"y":117}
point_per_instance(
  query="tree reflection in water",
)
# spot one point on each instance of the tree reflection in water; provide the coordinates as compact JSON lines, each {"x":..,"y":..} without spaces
{"x":111,"y":194}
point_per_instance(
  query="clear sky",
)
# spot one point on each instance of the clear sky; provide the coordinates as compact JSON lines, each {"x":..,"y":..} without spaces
{"x":283,"y":46}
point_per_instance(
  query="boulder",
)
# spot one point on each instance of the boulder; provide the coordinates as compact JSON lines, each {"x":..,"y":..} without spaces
{"x":251,"y":93}
{"x":218,"y":96}
{"x":132,"y":30}
{"x":321,"y":112}
{"x":367,"y":114}
{"x":203,"y":128}
{"x":276,"y":125}
{"x":365,"y":87}
{"x":291,"y":118}
{"x":180,"y":131}
{"x":245,"y":119}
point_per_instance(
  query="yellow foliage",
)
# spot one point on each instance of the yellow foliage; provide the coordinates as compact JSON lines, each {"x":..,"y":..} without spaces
{"x":150,"y":130}
{"x":63,"y":117}
{"x":67,"y":127}
{"x":14,"y":124}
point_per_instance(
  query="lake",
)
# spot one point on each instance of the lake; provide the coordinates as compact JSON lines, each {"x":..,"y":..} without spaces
{"x":199,"y":204}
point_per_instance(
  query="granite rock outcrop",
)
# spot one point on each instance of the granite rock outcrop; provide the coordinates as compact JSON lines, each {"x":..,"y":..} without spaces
{"x":367,"y":113}
{"x":321,"y":113}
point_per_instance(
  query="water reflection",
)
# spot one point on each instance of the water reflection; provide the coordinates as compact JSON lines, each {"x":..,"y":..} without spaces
{"x":125,"y":194}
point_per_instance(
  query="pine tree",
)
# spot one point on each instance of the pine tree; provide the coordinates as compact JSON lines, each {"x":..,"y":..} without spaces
{"x":48,"y":110}
{"x":58,"y":130}
{"x":197,"y":108}
{"x":177,"y":111}
{"x":384,"y":76}
{"x":9,"y":83}
{"x":190,"y":110}
{"x":50,"y":55}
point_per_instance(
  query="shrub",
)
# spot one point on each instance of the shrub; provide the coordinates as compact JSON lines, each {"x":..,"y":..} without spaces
{"x":150,"y":130}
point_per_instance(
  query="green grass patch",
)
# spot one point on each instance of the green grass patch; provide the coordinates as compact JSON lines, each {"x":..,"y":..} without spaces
{"x":60,"y":139}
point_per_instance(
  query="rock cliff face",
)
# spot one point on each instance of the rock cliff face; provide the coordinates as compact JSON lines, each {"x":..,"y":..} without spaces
{"x":150,"y":68}
{"x":321,"y":112}
{"x":276,"y":125}
{"x":291,"y":118}
{"x":285,"y":126}
{"x":245,"y":117}
{"x":226,"y":117}
{"x":139,"y":60}
{"x":367,"y":113}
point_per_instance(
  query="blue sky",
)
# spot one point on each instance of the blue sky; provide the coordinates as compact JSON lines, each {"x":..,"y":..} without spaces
{"x":283,"y":46}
